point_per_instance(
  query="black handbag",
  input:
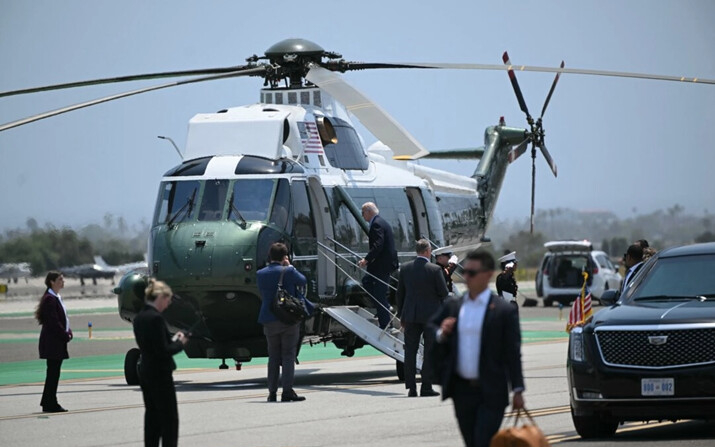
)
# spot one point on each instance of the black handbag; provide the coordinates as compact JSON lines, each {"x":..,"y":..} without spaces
{"x":286,"y":307}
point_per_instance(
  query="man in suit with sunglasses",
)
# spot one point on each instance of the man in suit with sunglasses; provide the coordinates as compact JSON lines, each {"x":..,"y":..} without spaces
{"x":478,"y":355}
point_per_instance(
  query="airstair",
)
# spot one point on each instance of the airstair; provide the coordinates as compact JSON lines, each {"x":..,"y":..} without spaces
{"x":363,"y":323}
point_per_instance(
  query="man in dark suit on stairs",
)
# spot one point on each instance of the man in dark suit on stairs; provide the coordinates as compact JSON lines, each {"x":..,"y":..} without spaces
{"x":420,"y":293}
{"x":380,"y":261}
{"x":479,"y":353}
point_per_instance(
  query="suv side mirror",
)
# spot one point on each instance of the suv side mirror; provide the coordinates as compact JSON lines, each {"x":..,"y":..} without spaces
{"x":610,"y":297}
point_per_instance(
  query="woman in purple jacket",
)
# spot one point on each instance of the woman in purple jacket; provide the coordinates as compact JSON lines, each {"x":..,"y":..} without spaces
{"x":56,"y":333}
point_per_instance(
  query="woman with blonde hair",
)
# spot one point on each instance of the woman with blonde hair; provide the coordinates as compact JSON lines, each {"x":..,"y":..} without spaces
{"x":55,"y":335}
{"x":157,"y":346}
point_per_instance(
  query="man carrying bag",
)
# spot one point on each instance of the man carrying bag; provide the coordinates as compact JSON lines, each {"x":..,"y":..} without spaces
{"x":282,"y":326}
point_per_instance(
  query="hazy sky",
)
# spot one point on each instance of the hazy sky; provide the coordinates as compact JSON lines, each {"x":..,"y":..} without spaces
{"x":619,"y":143}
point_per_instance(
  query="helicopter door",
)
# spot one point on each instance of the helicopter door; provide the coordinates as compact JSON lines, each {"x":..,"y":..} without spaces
{"x":324,"y":226}
{"x":419,"y":212}
{"x":305,"y":250}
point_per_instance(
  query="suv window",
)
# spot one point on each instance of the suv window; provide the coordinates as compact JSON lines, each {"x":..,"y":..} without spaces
{"x":603,"y":262}
{"x":678,"y":277}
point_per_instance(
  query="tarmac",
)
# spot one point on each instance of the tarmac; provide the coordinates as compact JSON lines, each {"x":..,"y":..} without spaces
{"x":350,"y":401}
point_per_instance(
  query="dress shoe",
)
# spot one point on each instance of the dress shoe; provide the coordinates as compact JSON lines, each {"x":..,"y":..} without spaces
{"x":54,"y":409}
{"x":272,"y":397}
{"x":291,"y":397}
{"x":428,"y":393}
{"x":412,"y":393}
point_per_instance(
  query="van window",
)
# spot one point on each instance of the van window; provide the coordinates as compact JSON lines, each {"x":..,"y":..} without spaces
{"x":566,"y":270}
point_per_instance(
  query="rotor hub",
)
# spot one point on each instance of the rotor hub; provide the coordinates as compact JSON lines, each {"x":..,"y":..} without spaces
{"x":289,"y":50}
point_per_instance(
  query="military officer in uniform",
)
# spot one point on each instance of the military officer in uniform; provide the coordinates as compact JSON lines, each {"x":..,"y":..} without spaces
{"x":506,"y":283}
{"x":448,"y":262}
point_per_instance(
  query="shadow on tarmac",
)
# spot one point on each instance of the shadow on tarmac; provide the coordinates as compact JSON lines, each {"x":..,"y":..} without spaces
{"x":306,"y":377}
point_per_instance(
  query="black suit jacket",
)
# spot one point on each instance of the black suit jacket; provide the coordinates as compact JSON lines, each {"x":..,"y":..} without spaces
{"x":155,"y":344}
{"x":382,"y":257}
{"x":421,"y":291}
{"x":500,"y":357}
{"x":630,"y":278}
{"x":54,"y":335}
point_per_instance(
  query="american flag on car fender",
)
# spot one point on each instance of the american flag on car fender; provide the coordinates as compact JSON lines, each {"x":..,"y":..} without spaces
{"x":581,"y":310}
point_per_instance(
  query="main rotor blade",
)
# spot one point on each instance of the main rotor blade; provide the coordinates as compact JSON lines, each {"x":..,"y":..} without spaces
{"x":469,"y":153}
{"x":519,"y":150}
{"x":515,"y":84}
{"x":371,"y":115}
{"x":548,"y":158}
{"x":551,"y":92}
{"x":534,"y":68}
{"x":139,"y":77}
{"x":248,"y":72}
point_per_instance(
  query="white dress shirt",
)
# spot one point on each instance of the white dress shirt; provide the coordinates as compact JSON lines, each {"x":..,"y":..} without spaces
{"x":469,"y":327}
{"x":59,"y":298}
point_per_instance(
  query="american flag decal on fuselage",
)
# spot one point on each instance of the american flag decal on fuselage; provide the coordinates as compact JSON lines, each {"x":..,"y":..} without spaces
{"x":310,"y":138}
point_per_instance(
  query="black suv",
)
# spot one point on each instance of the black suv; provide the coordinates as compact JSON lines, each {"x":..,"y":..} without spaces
{"x":651,"y":354}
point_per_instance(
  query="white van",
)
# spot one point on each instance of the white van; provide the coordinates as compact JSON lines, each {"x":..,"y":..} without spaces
{"x":560,"y":278}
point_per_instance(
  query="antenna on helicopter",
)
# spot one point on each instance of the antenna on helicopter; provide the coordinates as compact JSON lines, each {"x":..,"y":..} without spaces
{"x":173,"y":144}
{"x":535,"y":136}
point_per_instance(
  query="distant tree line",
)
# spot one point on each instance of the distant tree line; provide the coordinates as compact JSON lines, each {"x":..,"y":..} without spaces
{"x":51,"y":248}
{"x":662,"y":228}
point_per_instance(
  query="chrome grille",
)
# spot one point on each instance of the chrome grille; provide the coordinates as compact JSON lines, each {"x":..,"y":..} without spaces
{"x":632,"y":348}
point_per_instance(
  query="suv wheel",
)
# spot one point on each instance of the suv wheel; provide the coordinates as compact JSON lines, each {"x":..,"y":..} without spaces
{"x":548,"y":301}
{"x":595,"y":426}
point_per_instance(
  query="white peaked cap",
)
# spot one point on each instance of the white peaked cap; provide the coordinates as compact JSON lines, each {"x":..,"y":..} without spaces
{"x":442,"y":251}
{"x":510,"y":257}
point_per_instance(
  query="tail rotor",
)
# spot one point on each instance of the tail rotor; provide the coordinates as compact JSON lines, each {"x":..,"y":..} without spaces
{"x":535,"y":135}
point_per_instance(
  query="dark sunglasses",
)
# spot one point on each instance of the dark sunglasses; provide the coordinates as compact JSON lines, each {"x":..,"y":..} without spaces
{"x":472,"y":272}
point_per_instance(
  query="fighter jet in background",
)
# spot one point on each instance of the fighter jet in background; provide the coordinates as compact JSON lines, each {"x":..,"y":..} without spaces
{"x":123,"y":269}
{"x":87,"y":271}
{"x":12,"y":272}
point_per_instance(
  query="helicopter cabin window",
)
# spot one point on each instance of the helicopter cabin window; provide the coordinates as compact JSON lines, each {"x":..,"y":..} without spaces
{"x":250,"y":199}
{"x":176,"y":201}
{"x":213,"y":200}
{"x":348,"y":152}
{"x":394,"y":208}
{"x":303,"y":227}
{"x":281,"y":205}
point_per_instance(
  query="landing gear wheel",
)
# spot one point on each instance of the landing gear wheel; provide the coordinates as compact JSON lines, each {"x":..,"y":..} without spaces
{"x":131,"y":366}
{"x":400,"y":368}
{"x":548,"y":302}
{"x":223,"y":364}
{"x":596,"y":426}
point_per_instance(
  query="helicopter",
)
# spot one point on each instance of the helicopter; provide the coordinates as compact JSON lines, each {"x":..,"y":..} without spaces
{"x":293,"y":168}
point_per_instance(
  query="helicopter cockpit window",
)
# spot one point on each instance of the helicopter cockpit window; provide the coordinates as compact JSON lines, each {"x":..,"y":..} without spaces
{"x":348,"y":152}
{"x":281,"y":205}
{"x":176,"y":202}
{"x":251,"y":199}
{"x":213,"y":200}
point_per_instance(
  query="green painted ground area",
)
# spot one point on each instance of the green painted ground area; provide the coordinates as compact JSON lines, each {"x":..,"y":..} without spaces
{"x":535,"y":336}
{"x":13,"y":373}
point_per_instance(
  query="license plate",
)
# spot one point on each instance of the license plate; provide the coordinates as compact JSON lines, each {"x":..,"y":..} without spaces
{"x":657,"y":387}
